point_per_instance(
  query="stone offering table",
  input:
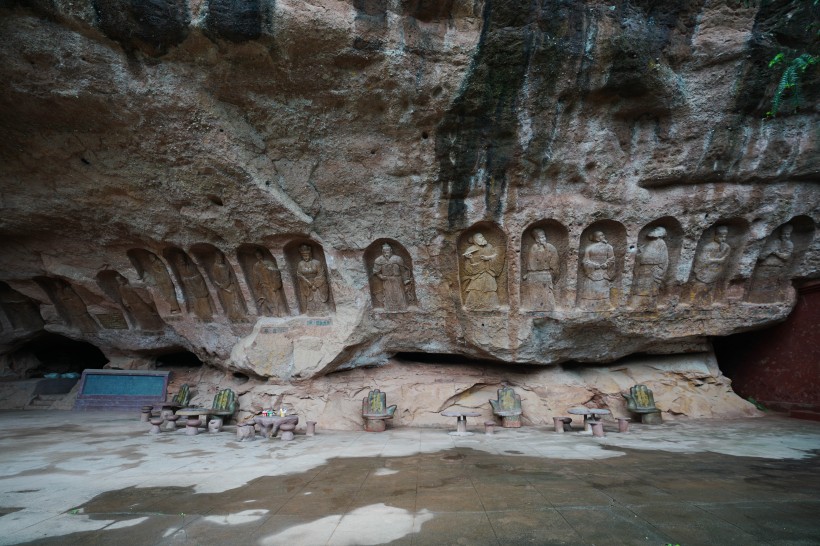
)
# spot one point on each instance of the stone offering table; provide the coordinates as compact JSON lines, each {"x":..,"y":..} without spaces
{"x":200,"y":413}
{"x":461,"y":423}
{"x":270,"y":425}
{"x":590,"y":414}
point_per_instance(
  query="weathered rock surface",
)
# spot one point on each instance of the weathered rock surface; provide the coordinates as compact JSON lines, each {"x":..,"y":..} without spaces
{"x":221,"y":177}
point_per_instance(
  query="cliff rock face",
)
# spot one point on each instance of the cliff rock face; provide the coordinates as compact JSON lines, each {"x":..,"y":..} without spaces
{"x":288,"y":189}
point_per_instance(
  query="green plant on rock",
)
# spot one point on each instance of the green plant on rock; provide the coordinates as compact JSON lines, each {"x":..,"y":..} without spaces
{"x":788,"y":88}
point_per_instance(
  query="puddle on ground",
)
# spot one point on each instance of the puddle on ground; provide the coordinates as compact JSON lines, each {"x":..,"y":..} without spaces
{"x":270,"y":508}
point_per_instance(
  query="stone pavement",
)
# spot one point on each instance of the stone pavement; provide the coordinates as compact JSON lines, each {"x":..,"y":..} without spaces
{"x":99,"y":478}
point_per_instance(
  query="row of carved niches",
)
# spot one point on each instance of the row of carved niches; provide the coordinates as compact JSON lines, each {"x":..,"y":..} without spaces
{"x":603,"y":246}
{"x":305,"y":261}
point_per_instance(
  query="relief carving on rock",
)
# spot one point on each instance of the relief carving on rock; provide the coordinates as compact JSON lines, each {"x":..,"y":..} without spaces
{"x":223,"y":278}
{"x":482,"y":272}
{"x":140,"y":313}
{"x":656,"y":258}
{"x":264,"y":279}
{"x":152,"y":270}
{"x":197,"y":298}
{"x":599,"y":265}
{"x":307,"y":264}
{"x":715,"y":258}
{"x":69,"y":305}
{"x":542,"y":266}
{"x":783,"y":248}
{"x":391,"y":275}
{"x":21,"y":311}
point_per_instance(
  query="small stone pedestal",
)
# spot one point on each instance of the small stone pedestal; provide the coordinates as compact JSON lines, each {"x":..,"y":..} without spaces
{"x":245,"y":431}
{"x":311,"y":428}
{"x":146,"y":413}
{"x":215,"y":425}
{"x":623,"y":424}
{"x":488,"y":427}
{"x":155,"y":424}
{"x":192,"y":426}
{"x":287,"y":431}
{"x":597,"y":428}
{"x":172,"y":422}
{"x":374,"y":422}
{"x":561,"y":424}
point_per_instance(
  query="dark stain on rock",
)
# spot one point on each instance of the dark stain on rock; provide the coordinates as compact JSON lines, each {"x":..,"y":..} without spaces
{"x":235,"y":20}
{"x":428,"y":10}
{"x":151,"y":26}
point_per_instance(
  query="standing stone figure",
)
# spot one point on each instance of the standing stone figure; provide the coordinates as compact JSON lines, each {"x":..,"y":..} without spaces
{"x":597,"y":265}
{"x":195,"y":289}
{"x":395,"y":280}
{"x":769,"y":279}
{"x":709,"y":268}
{"x":482,"y":266}
{"x":229,"y":292}
{"x":156,"y":274}
{"x":140,"y":312}
{"x":651,"y":264}
{"x":541,"y":271}
{"x":267,"y":287}
{"x":314,"y":293}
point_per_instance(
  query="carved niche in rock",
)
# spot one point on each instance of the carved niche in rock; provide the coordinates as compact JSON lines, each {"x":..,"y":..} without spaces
{"x":656,"y":258}
{"x":264,"y":279}
{"x":390,"y":269}
{"x":21,"y":311}
{"x":543,"y":265}
{"x":222,"y":276}
{"x":782,"y":250}
{"x":69,"y":305}
{"x":197,"y":298}
{"x":306,"y":260}
{"x":151,"y":269}
{"x":716,"y":256}
{"x":139,"y":313}
{"x":600,"y":263}
{"x":482,"y":253}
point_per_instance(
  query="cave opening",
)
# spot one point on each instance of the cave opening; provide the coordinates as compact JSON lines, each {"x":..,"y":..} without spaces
{"x":50,"y":353}
{"x":444,"y":358}
{"x":179,"y":359}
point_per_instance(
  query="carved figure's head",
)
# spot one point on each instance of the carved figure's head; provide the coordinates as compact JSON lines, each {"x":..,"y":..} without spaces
{"x":786,"y":232}
{"x":597,"y":237}
{"x":478,"y":239}
{"x":306,"y":252}
{"x":721,"y":232}
{"x":657,"y":233}
{"x":540,"y":236}
{"x":387,"y":250}
{"x":259,"y":256}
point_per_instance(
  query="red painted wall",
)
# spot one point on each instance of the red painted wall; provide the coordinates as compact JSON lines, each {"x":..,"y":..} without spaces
{"x":779,"y":367}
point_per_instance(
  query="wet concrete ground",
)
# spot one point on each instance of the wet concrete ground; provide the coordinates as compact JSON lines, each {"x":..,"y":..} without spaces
{"x":71,"y":478}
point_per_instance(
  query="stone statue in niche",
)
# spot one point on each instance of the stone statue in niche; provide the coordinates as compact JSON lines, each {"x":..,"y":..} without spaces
{"x":267,"y":286}
{"x":482,"y":266}
{"x":597,"y":265}
{"x":540,"y":272}
{"x":709,"y":267}
{"x":72,"y":308}
{"x":314,"y":293}
{"x":22,"y":313}
{"x":140,"y":312}
{"x":196,"y":290}
{"x":156,"y":274}
{"x":229,"y":292}
{"x":395,"y":280}
{"x":651,"y":264}
{"x":770,"y":276}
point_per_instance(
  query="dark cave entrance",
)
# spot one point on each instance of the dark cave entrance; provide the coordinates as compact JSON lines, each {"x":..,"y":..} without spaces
{"x":52,"y":353}
{"x":179,"y":359}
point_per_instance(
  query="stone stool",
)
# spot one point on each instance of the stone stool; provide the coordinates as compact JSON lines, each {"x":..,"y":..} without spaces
{"x":245,"y":431}
{"x":311,"y":428}
{"x":215,"y":425}
{"x":155,"y":424}
{"x":287,"y":431}
{"x":192,"y":426}
{"x":172,"y":422}
{"x":488,"y":427}
{"x":146,"y":413}
{"x":562,"y":424}
{"x":597,"y":428}
{"x":623,"y":424}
